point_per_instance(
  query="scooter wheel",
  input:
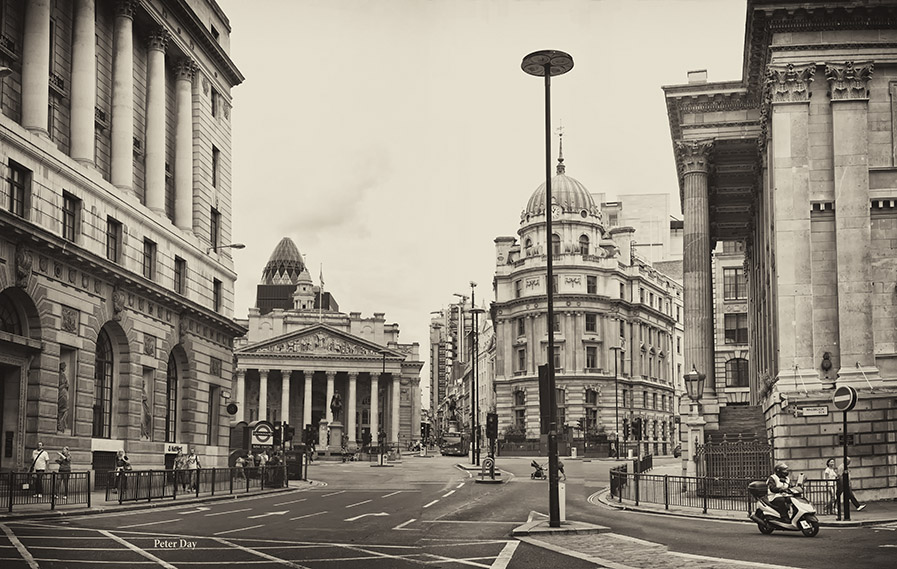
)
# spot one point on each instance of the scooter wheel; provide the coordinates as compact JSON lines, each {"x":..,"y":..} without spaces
{"x":765,"y":528}
{"x":814,"y":526}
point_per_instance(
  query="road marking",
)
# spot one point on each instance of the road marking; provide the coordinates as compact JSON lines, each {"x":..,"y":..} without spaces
{"x":431,"y":503}
{"x":393,"y":494}
{"x":308,"y":515}
{"x":238,"y":529}
{"x":333,"y":493}
{"x":260,"y":554}
{"x":23,"y":551}
{"x":449,"y":494}
{"x":150,"y":523}
{"x":455,"y":560}
{"x":229,"y":512}
{"x":368,"y":514}
{"x":197,"y":510}
{"x":358,"y":504}
{"x":291,"y":502}
{"x":459,"y":485}
{"x":403,"y":524}
{"x":280,"y":513}
{"x":134,"y":548}
{"x":501,"y":562}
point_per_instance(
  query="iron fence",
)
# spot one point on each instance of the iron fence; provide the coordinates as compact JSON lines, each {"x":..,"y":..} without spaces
{"x":706,"y":493}
{"x":739,"y":458}
{"x":137,"y":485}
{"x":53,"y":488}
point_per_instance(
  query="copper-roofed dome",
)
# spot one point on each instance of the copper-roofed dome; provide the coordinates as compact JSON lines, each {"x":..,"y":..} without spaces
{"x":285,"y":264}
{"x":567,"y":192}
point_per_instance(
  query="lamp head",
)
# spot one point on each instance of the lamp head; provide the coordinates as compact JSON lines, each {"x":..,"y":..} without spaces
{"x":547,"y":62}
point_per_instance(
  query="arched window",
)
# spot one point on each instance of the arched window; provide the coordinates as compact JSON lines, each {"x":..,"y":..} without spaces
{"x":737,"y":373}
{"x":103,"y":374}
{"x":528,"y":243}
{"x":171,"y":400}
{"x":555,"y":244}
{"x":583,"y":244}
{"x":9,"y":316}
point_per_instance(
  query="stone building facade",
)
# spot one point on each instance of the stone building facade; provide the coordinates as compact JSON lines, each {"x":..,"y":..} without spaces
{"x":115,"y":302}
{"x":293,"y":363}
{"x":607,"y":304}
{"x":797,"y":160}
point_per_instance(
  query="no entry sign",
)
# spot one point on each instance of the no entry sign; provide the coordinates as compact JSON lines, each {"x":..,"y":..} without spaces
{"x":844,"y":398}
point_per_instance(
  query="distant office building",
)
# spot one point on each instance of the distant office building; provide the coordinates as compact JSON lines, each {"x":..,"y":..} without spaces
{"x":116,"y":283}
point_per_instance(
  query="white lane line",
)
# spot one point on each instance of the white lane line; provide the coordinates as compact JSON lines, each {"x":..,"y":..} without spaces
{"x":334,"y":493}
{"x":358,"y":504}
{"x":459,"y":485}
{"x":136,"y":549}
{"x":501,"y":562}
{"x":238,"y":529}
{"x":459,"y":561}
{"x":260,"y":554}
{"x":431,"y":503}
{"x":23,"y":551}
{"x":393,"y":494}
{"x":449,"y":494}
{"x":291,"y":502}
{"x":151,"y":523}
{"x":229,"y":512}
{"x":403,"y":524}
{"x":308,"y":515}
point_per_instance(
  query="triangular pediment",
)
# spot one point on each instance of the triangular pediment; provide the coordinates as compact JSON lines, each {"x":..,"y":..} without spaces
{"x":318,"y":340}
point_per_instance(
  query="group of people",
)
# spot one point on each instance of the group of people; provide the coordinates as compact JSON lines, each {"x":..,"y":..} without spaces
{"x":779,"y":484}
{"x":187,"y":467}
{"x":40,"y":460}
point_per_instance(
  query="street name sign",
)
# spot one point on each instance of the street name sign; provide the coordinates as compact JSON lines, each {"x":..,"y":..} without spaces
{"x":844,"y":398}
{"x":821,"y":411}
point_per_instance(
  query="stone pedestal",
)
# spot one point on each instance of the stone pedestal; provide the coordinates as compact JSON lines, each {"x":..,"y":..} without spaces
{"x":322,"y":435}
{"x":695,"y":424}
{"x":336,"y":436}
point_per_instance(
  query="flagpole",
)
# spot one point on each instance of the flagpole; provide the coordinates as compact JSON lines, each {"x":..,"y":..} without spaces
{"x":321,"y":295}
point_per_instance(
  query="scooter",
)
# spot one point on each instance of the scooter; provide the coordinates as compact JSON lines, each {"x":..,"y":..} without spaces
{"x":802,"y":514}
{"x":538,"y":471}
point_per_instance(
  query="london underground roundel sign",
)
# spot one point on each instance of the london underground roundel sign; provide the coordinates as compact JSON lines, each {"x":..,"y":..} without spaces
{"x":844,"y":398}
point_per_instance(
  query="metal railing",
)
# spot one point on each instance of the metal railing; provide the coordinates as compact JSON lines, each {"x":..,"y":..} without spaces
{"x":29,"y":488}
{"x":705,"y":493}
{"x":136,"y":485}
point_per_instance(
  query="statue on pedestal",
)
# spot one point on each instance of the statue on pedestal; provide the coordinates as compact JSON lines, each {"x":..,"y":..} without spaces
{"x":336,"y":405}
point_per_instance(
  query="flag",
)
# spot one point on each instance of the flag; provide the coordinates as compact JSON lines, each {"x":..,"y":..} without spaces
{"x":322,"y":277}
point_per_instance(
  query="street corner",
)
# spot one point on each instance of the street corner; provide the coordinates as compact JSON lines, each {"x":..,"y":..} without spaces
{"x":566,"y":527}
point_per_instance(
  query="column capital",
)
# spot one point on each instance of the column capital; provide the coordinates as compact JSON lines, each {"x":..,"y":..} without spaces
{"x":353,"y":375}
{"x":694,"y":156}
{"x":849,"y":81}
{"x":264,"y":372}
{"x":157,"y":39}
{"x":789,"y":84}
{"x":330,"y":374}
{"x":185,"y":69}
{"x":126,"y":8}
{"x":241,"y":372}
{"x":375,"y":376}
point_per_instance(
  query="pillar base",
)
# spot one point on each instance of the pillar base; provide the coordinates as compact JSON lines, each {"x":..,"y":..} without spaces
{"x":859,"y":377}
{"x":39,"y":131}
{"x":793,"y":380}
{"x":336,"y":437}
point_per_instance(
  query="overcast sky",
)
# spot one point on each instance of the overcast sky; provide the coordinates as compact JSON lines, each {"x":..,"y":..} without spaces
{"x":394,"y":140}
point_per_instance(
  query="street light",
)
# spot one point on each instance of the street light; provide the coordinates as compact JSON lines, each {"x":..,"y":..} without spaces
{"x":228,"y":246}
{"x":476,"y":381}
{"x":380,"y":441}
{"x":546,"y":63}
{"x":694,"y":386}
{"x":617,"y":350}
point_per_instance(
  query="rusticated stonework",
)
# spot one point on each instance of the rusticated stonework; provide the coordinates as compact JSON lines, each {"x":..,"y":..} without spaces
{"x":789,"y":84}
{"x":849,"y":81}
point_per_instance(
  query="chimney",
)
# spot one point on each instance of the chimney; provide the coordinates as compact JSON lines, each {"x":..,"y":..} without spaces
{"x":697,"y":76}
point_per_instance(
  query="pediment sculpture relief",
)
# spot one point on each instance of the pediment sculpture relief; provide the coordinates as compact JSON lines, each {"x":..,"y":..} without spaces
{"x":320,"y":343}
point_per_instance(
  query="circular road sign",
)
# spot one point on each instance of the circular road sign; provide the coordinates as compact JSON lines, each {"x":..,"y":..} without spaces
{"x":844,"y":398}
{"x":263,"y":434}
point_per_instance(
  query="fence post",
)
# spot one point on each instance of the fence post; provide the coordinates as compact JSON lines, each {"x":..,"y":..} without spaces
{"x":666,"y":492}
{"x":706,"y":492}
{"x":137,"y":485}
{"x":12,"y":488}
{"x":195,"y":478}
{"x":88,"y":488}
{"x":636,"y":475}
{"x":231,"y":480}
{"x":53,"y":488}
{"x":214,"y":470}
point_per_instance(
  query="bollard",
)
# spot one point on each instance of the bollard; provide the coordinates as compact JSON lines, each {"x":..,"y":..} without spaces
{"x":572,"y":452}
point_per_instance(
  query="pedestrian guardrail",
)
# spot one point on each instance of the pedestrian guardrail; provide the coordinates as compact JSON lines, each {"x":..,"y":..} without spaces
{"x":136,"y":485}
{"x":705,"y":493}
{"x":53,"y":488}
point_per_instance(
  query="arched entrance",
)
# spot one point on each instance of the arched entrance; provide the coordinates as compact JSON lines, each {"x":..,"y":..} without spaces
{"x":19,"y":344}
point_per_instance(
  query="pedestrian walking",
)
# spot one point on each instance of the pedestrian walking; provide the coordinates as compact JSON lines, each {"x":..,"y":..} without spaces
{"x":561,"y":469}
{"x":65,"y":469}
{"x":122,"y":465}
{"x":180,"y":474}
{"x":240,"y":465}
{"x":845,"y":468}
{"x":39,"y":460}
{"x":192,"y":467}
{"x":833,"y":484}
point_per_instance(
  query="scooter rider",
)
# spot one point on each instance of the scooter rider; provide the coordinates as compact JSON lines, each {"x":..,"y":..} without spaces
{"x":778,"y":485}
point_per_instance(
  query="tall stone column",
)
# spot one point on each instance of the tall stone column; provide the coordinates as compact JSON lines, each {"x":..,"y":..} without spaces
{"x":285,"y":384}
{"x":394,"y":416}
{"x":849,"y":88}
{"x":375,"y":406}
{"x":350,"y":411}
{"x":36,"y":66}
{"x":306,"y":399}
{"x":331,"y":375}
{"x":122,"y":132}
{"x":84,"y":81}
{"x":263,"y":395}
{"x":155,"y":120}
{"x":240,"y":395}
{"x":183,"y":145}
{"x":694,"y":158}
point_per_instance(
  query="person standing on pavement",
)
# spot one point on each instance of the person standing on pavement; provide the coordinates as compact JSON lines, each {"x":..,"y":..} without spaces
{"x":122,"y":465}
{"x":845,"y":468}
{"x":65,"y":469}
{"x":832,"y":483}
{"x":192,"y":466}
{"x":39,"y":461}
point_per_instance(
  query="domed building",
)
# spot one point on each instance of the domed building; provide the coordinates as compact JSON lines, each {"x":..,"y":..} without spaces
{"x":606,"y":301}
{"x":301,"y":354}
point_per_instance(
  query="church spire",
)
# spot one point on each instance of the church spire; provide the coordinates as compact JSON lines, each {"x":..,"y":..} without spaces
{"x":560,"y":130}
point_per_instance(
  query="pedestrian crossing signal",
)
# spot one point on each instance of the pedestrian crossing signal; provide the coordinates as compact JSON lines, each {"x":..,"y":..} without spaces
{"x":492,"y":425}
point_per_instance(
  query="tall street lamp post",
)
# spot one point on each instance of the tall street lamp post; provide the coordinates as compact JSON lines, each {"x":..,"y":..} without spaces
{"x":546,"y":63}
{"x":476,"y":381}
{"x":380,"y":439}
{"x":616,"y":351}
{"x":694,"y":386}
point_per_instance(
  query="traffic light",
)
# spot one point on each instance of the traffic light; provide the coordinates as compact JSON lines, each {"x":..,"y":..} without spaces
{"x":278,"y":434}
{"x":491,"y":425}
{"x":288,"y":432}
{"x":637,"y":428}
{"x":581,"y":424}
{"x":625,"y":430}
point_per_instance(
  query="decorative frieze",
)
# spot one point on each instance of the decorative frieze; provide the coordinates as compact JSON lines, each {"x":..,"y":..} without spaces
{"x":849,"y":81}
{"x":23,"y":265}
{"x":149,"y":345}
{"x":789,"y":84}
{"x":118,"y":303}
{"x":70,"y":318}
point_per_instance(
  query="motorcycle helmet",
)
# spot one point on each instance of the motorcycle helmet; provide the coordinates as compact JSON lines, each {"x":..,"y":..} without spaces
{"x":782,"y":469}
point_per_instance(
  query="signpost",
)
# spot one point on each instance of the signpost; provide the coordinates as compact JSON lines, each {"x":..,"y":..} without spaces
{"x":845,"y":399}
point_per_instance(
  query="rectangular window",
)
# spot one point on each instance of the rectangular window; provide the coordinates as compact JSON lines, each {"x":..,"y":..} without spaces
{"x":215,"y":99}
{"x":557,"y":357}
{"x":71,"y":211}
{"x":622,"y":291}
{"x":641,"y":295}
{"x":149,"y":258}
{"x":113,"y":240}
{"x":592,"y":285}
{"x":591,"y":357}
{"x":591,"y":323}
{"x":216,"y":295}
{"x":216,"y":159}
{"x":518,"y":286}
{"x":734,"y":284}
{"x":213,"y":422}
{"x":736,"y":328}
{"x":19,"y":188}
{"x":214,"y":228}
{"x":554,"y":284}
{"x":678,"y":345}
{"x":180,"y":275}
{"x":644,"y":400}
{"x":171,"y":403}
{"x":557,"y":323}
{"x":560,"y":398}
{"x":521,"y":326}
{"x":521,"y":359}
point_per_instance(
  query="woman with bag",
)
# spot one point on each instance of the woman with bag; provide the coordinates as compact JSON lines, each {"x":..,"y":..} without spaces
{"x":122,"y":465}
{"x":39,"y":460}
